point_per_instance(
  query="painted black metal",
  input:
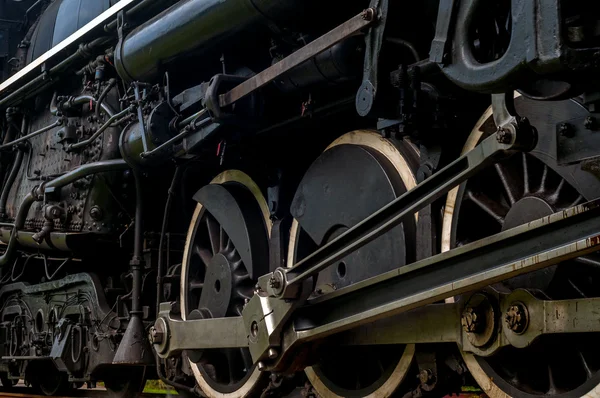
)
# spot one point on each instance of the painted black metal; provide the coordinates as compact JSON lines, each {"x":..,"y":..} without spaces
{"x":535,"y":45}
{"x":10,"y":181}
{"x":393,"y":213}
{"x":443,"y":31}
{"x":43,"y":297}
{"x":326,"y":204}
{"x":338,"y":64}
{"x":577,"y":139}
{"x":61,"y":19}
{"x":181,"y":28}
{"x":367,"y":93}
{"x":232,"y":207}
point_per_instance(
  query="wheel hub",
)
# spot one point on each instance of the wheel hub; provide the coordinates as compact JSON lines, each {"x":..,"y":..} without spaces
{"x":216,"y":296}
{"x":525,"y":210}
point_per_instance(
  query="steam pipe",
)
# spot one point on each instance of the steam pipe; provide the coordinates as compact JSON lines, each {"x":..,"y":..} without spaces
{"x":192,"y":24}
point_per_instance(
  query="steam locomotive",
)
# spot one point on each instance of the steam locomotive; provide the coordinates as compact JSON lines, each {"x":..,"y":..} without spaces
{"x":274,"y":198}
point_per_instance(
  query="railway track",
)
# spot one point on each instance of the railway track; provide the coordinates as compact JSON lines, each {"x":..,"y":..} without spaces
{"x":29,"y":393}
{"x":25,"y":392}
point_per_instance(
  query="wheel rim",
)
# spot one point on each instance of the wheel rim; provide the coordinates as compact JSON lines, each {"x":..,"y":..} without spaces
{"x":510,"y":193}
{"x":228,"y":372}
{"x":385,"y":366}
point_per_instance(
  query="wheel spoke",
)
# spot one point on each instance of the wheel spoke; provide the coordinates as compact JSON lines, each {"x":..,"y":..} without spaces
{"x":554,"y":197}
{"x":552,"y":390}
{"x":222,"y":239}
{"x":247,"y":358}
{"x":204,"y":254}
{"x":494,"y":209}
{"x":214,"y":234}
{"x":526,"y":187}
{"x":576,"y":289}
{"x":502,"y":173}
{"x":585,"y":365}
{"x":195,"y":285}
{"x":577,"y":201}
{"x":544,"y":178}
{"x":231,"y":360}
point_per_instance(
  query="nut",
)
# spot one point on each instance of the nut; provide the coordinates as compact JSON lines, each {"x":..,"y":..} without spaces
{"x":516,"y":318}
{"x":156,"y":336}
{"x":96,"y":213}
{"x":589,"y":123}
{"x":504,"y":136}
{"x":272,"y":353}
{"x":470,"y":321}
{"x":565,"y":130}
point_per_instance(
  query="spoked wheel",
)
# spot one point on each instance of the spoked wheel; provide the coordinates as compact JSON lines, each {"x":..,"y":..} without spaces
{"x":226,"y":251}
{"x":515,"y":191}
{"x":357,"y":175}
{"x":48,"y":380}
{"x":126,"y":382}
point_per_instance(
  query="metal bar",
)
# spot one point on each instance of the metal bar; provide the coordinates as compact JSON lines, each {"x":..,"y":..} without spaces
{"x":442,"y":39}
{"x":57,"y":51}
{"x":538,"y":244}
{"x":319,"y":45}
{"x":393,"y":214}
{"x":199,"y":334}
{"x":34,"y":134}
{"x":435,"y":323}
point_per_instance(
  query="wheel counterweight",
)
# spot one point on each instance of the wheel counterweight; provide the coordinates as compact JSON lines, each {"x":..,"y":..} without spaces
{"x":357,"y":174}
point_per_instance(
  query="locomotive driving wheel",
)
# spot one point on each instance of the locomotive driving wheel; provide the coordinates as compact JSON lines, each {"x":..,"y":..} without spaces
{"x":226,"y":247}
{"x":358,"y":174}
{"x":512,"y":192}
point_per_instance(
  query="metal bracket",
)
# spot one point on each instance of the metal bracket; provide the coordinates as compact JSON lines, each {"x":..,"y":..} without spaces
{"x":445,"y":21}
{"x":365,"y":98}
{"x":170,"y":335}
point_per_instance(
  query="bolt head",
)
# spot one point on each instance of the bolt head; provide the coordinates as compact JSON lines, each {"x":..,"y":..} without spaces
{"x":565,"y":130}
{"x":516,"y":318}
{"x":504,"y":136}
{"x":272,"y":353}
{"x":261,"y":366}
{"x":156,"y":336}
{"x":589,"y":123}
{"x":470,"y":321}
{"x":425,"y":376}
{"x":96,"y":213}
